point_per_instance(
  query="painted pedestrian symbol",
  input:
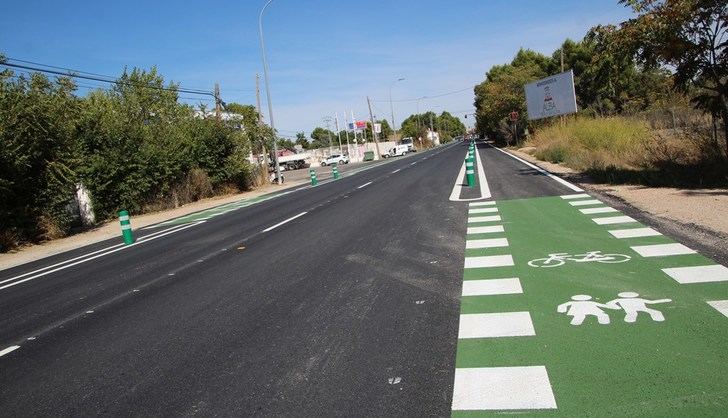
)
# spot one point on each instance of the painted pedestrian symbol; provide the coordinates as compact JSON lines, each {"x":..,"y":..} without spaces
{"x":559,"y":259}
{"x":582,"y":306}
{"x":631,"y":304}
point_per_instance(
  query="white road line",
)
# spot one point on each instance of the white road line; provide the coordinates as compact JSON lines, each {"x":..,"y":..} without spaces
{"x":492,"y":287}
{"x":486,"y":243}
{"x":9,"y":350}
{"x":482,"y":210}
{"x":589,"y":202}
{"x":476,"y":204}
{"x":482,"y":183}
{"x":160,"y":235}
{"x":613,"y":220}
{"x":494,"y":218}
{"x":662,"y":250}
{"x":84,"y":256}
{"x":364,"y":185}
{"x":698,"y":274}
{"x":542,"y":171}
{"x":720,"y":305}
{"x":502,"y":388}
{"x":396,"y":171}
{"x":634,"y":233}
{"x":485,"y":229}
{"x":592,"y":211}
{"x":575,"y":196}
{"x":494,"y":325}
{"x":284,"y":222}
{"x":489,"y":261}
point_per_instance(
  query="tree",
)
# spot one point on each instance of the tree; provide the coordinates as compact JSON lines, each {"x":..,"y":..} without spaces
{"x":322,"y":138}
{"x":690,"y":36}
{"x":386,"y":131}
{"x":302,"y":140}
{"x":449,"y":126}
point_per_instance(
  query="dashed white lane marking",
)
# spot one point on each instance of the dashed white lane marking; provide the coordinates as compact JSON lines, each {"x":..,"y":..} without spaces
{"x":589,"y":202}
{"x":364,"y":185}
{"x":575,"y":196}
{"x":486,"y":243}
{"x":698,"y":274}
{"x":661,"y":250}
{"x":591,"y":211}
{"x":413,"y":163}
{"x":482,"y":210}
{"x":502,"y":388}
{"x":485,"y":229}
{"x":396,"y":171}
{"x":490,"y":287}
{"x":489,"y":261}
{"x":476,"y":204}
{"x":9,"y":350}
{"x":613,"y":220}
{"x":634,"y":233}
{"x":143,"y":240}
{"x":494,"y":325}
{"x":270,"y":228}
{"x":475,"y":219}
{"x":542,"y":171}
{"x":720,"y":305}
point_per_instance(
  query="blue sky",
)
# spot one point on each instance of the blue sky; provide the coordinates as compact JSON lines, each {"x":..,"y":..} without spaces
{"x":325,"y":56}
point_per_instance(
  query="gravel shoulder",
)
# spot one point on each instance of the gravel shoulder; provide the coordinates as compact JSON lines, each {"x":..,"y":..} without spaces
{"x":697,"y":217}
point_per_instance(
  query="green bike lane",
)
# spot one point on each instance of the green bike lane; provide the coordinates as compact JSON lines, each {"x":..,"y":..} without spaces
{"x":586,"y":335}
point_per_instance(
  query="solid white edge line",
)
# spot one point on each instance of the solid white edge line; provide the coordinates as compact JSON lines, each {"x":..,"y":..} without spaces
{"x":9,"y":350}
{"x":284,"y":222}
{"x":542,"y":171}
{"x":168,"y":231}
{"x":364,"y":185}
{"x":84,"y":256}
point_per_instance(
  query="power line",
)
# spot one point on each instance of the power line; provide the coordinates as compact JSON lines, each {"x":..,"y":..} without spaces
{"x":426,"y":97}
{"x":117,"y":82}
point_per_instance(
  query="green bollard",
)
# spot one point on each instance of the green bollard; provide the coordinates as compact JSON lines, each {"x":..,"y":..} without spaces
{"x":335,"y":171}
{"x":470,"y":171}
{"x":126,"y":232}
{"x":312,"y":173}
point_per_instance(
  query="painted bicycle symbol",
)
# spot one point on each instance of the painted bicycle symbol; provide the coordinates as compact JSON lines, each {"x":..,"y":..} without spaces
{"x":559,"y":259}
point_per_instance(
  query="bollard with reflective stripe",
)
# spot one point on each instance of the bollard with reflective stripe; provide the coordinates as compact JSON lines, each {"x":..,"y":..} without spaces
{"x":126,"y":231}
{"x":335,"y":171}
{"x":470,"y":173}
{"x":314,"y":180}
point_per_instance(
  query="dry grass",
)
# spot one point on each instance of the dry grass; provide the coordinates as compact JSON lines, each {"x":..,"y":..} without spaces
{"x":627,"y":150}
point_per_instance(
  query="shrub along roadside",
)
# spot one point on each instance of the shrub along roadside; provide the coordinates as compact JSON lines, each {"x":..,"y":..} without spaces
{"x":133,"y":147}
{"x":625,"y":150}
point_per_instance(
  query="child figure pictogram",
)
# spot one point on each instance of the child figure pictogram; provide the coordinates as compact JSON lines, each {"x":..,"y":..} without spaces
{"x":582,"y":306}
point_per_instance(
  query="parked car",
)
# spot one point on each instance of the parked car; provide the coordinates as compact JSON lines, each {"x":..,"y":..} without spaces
{"x":336,"y":158}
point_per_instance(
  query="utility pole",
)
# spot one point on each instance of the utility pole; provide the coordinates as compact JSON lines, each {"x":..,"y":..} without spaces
{"x":346,"y":132}
{"x":338,"y":131}
{"x":327,"y":119}
{"x":265,"y":165}
{"x":374,"y":131}
{"x":218,"y":101}
{"x":267,"y":91}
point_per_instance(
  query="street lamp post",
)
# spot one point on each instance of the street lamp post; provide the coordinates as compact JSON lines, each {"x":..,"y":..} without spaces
{"x":391,"y":106}
{"x":267,"y":92}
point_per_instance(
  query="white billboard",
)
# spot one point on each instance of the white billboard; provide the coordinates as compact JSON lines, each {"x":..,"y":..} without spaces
{"x":551,"y":96}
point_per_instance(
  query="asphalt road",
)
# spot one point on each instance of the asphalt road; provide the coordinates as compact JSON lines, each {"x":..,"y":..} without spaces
{"x":341,"y":299}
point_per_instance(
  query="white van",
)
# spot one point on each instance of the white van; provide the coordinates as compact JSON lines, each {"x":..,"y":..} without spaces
{"x":398,"y":151}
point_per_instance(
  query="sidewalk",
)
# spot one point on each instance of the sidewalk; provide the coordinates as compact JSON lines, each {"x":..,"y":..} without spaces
{"x":111,"y":229}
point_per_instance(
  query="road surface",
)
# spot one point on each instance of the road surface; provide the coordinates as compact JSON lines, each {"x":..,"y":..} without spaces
{"x":392,"y":291}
